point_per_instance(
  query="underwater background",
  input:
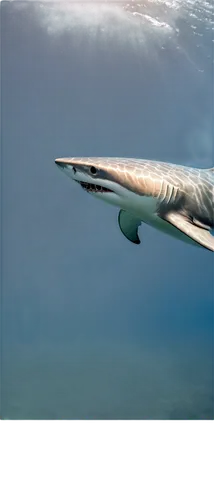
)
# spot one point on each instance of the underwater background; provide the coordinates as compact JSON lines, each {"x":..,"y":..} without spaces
{"x":94,"y":327}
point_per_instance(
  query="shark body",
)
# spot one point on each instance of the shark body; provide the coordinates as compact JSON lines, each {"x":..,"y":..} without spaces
{"x":175,"y":199}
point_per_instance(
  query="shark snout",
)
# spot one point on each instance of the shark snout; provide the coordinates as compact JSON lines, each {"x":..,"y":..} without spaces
{"x":67,"y":167}
{"x":60,"y":162}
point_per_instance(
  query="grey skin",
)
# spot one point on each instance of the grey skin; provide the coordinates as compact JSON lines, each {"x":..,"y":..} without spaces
{"x":175,"y":199}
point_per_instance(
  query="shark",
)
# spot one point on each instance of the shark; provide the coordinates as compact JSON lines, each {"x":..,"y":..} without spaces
{"x":175,"y":199}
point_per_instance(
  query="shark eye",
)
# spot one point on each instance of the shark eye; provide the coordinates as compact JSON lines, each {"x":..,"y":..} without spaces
{"x":93,"y":170}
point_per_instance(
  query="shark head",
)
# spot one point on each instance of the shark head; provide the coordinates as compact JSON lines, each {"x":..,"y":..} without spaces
{"x":100,"y":177}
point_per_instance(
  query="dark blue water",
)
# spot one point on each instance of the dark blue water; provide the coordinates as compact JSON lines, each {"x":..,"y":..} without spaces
{"x":93,"y":327}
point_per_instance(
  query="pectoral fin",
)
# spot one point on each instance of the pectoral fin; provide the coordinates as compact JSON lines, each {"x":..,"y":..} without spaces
{"x":129,"y":226}
{"x":199,"y":234}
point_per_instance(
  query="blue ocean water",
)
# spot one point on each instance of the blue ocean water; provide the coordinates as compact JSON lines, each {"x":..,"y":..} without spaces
{"x":93,"y":327}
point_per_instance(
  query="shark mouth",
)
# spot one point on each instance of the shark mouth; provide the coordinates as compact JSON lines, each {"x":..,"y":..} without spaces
{"x":94,"y":188}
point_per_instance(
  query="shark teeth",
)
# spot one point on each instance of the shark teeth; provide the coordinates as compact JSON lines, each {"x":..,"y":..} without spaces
{"x":93,"y":188}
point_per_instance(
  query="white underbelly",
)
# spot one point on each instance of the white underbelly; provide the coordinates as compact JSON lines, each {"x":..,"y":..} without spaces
{"x":144,"y":207}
